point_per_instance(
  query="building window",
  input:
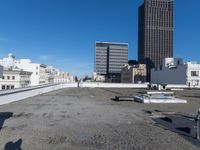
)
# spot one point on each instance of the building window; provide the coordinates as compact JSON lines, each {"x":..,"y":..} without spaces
{"x":194,"y":73}
{"x":36,"y":73}
{"x":12,"y":86}
{"x":8,"y":77}
{"x":13,"y":77}
{"x":3,"y":87}
{"x":7,"y":87}
{"x":3,"y":78}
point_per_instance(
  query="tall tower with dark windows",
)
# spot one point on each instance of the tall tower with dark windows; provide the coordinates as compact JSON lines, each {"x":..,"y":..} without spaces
{"x":155,"y":33}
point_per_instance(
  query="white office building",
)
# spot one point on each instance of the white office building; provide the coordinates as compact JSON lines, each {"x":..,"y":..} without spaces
{"x":12,"y":79}
{"x":41,"y":74}
{"x":38,"y":76}
{"x":8,"y":62}
{"x":174,"y":71}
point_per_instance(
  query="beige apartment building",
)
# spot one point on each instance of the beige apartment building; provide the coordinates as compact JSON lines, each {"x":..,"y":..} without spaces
{"x":133,"y":73}
{"x":12,"y":79}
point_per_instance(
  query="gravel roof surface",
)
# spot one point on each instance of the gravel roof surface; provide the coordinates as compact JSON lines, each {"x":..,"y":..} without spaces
{"x":88,"y":119}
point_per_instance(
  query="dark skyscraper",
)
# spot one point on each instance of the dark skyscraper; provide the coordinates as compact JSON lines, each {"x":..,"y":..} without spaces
{"x":155,"y":35}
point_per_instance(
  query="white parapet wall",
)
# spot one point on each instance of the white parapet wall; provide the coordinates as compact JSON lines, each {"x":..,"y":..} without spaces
{"x":23,"y":93}
{"x":111,"y":85}
{"x":19,"y":94}
{"x":171,"y":86}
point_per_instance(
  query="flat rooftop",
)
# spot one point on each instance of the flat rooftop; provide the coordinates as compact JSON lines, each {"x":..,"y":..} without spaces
{"x":89,"y":119}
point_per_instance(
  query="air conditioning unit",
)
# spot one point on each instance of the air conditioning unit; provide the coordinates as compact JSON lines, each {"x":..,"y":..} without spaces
{"x":1,"y":71}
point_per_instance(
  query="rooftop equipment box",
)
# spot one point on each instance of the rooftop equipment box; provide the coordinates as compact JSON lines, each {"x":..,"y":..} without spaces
{"x":1,"y":71}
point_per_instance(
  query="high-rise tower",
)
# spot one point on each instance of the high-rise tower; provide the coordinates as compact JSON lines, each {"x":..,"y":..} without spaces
{"x":155,"y":35}
{"x":110,"y":58}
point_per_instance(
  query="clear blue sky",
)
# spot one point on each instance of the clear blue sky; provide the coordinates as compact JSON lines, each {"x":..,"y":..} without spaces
{"x":62,"y":33}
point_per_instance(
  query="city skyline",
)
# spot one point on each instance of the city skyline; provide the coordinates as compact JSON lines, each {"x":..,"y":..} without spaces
{"x":58,"y":34}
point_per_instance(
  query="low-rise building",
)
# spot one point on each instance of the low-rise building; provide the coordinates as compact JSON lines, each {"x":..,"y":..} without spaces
{"x":98,"y":78}
{"x":41,"y":73}
{"x":38,"y":76}
{"x":50,"y":74}
{"x":175,"y":71}
{"x":133,"y":73}
{"x":12,"y":79}
{"x":8,"y":62}
{"x":57,"y":76}
{"x":63,"y":77}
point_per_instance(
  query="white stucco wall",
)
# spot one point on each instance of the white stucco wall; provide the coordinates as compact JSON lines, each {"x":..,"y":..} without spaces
{"x":193,"y":80}
{"x":17,"y":79}
{"x":19,"y":94}
{"x":34,"y":68}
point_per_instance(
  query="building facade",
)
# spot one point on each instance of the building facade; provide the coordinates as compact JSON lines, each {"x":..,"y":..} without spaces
{"x":174,"y":71}
{"x":56,"y":76}
{"x":155,"y":34}
{"x":98,"y":78}
{"x":133,"y":73}
{"x":41,"y":73}
{"x":38,"y":76}
{"x":8,"y":62}
{"x":63,"y":77}
{"x":12,"y":79}
{"x":109,"y":59}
